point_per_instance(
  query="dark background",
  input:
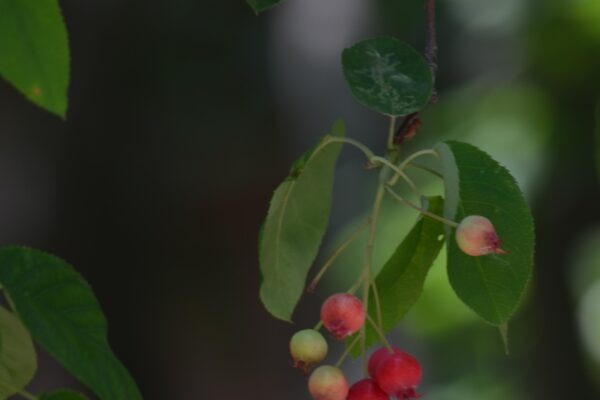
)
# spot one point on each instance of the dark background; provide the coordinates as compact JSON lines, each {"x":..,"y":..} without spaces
{"x":185,"y":115}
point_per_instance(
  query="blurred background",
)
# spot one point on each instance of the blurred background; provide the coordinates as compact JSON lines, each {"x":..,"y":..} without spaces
{"x":184,"y":116}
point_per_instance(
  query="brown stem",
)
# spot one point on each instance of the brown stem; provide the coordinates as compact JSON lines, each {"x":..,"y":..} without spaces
{"x":431,"y":47}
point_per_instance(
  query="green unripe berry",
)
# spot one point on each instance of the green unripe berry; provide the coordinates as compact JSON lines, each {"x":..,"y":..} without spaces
{"x":476,"y":236}
{"x":308,"y":347}
{"x":328,"y":383}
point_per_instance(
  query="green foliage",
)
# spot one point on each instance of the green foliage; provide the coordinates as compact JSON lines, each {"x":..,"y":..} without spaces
{"x":35,"y":52}
{"x":400,"y":281}
{"x":62,"y":395}
{"x":388,"y":76}
{"x":296,"y":222}
{"x":62,"y":314}
{"x":18,"y":361}
{"x":261,"y":5}
{"x":475,"y":184}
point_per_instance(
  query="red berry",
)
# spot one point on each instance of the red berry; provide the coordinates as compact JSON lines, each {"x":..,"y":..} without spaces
{"x":342,"y":314}
{"x":477,"y":236}
{"x":366,"y":389}
{"x":328,"y":383}
{"x":308,"y":347}
{"x":399,"y":375}
{"x":378,"y":356}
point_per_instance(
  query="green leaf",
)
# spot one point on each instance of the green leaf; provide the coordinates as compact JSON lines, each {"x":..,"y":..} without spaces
{"x":296,"y":222}
{"x":62,"y":314}
{"x":388,"y":76}
{"x":400,"y":281}
{"x":62,"y":395}
{"x":35,"y":52}
{"x":18,"y":361}
{"x":261,"y":5}
{"x":475,"y":184}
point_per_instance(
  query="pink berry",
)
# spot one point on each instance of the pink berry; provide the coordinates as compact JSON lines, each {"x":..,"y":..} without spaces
{"x":399,"y":375}
{"x":476,"y":236}
{"x":328,"y":383}
{"x":342,"y":314}
{"x":378,"y":356}
{"x":366,"y":389}
{"x":308,"y":347}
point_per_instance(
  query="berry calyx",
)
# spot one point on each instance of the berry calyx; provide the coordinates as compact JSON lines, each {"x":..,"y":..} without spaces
{"x":367,"y":389}
{"x":476,"y":236}
{"x":342,"y":314}
{"x":379,"y":356}
{"x":399,"y":375}
{"x":308,"y":348}
{"x":328,"y":383}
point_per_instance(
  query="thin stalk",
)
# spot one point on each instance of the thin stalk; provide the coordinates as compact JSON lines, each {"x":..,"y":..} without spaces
{"x":347,"y":351}
{"x":318,"y":326}
{"x":377,"y":303}
{"x":381,"y":334}
{"x":366,"y":151}
{"x":409,"y":159}
{"x":426,"y":168}
{"x":391,"y":133}
{"x":398,"y":172}
{"x":421,"y":210}
{"x":368,"y":260}
{"x":312,"y":286}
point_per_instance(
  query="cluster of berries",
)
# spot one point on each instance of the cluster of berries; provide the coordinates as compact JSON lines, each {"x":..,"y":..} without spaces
{"x":391,"y":373}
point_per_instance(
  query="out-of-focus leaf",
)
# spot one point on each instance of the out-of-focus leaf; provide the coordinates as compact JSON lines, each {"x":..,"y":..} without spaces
{"x":296,"y":221}
{"x":34,"y":51}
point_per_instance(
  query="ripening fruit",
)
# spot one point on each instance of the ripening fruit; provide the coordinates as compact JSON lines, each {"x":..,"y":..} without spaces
{"x":399,"y":375}
{"x":308,"y":348}
{"x":378,"y":356}
{"x":328,"y":383}
{"x":476,"y":236}
{"x":342,"y":314}
{"x":366,"y":389}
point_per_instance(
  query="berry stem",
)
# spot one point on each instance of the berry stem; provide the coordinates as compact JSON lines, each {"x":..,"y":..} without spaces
{"x":318,"y":326}
{"x":368,"y":260}
{"x":367,"y":151}
{"x":425,"y":168}
{"x":421,"y":210}
{"x":313,"y":285}
{"x":377,"y":304}
{"x":347,"y":351}
{"x":409,"y":160}
{"x":391,"y":134}
{"x":398,"y":172}
{"x":381,"y":334}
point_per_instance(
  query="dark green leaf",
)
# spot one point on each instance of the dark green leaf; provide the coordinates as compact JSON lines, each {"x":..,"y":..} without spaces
{"x":35,"y":52}
{"x":18,"y":361}
{"x":295,"y":225}
{"x":62,"y":395}
{"x":261,"y":5}
{"x":400,"y":281}
{"x":388,"y":76}
{"x":475,"y":184}
{"x":59,"y":309}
